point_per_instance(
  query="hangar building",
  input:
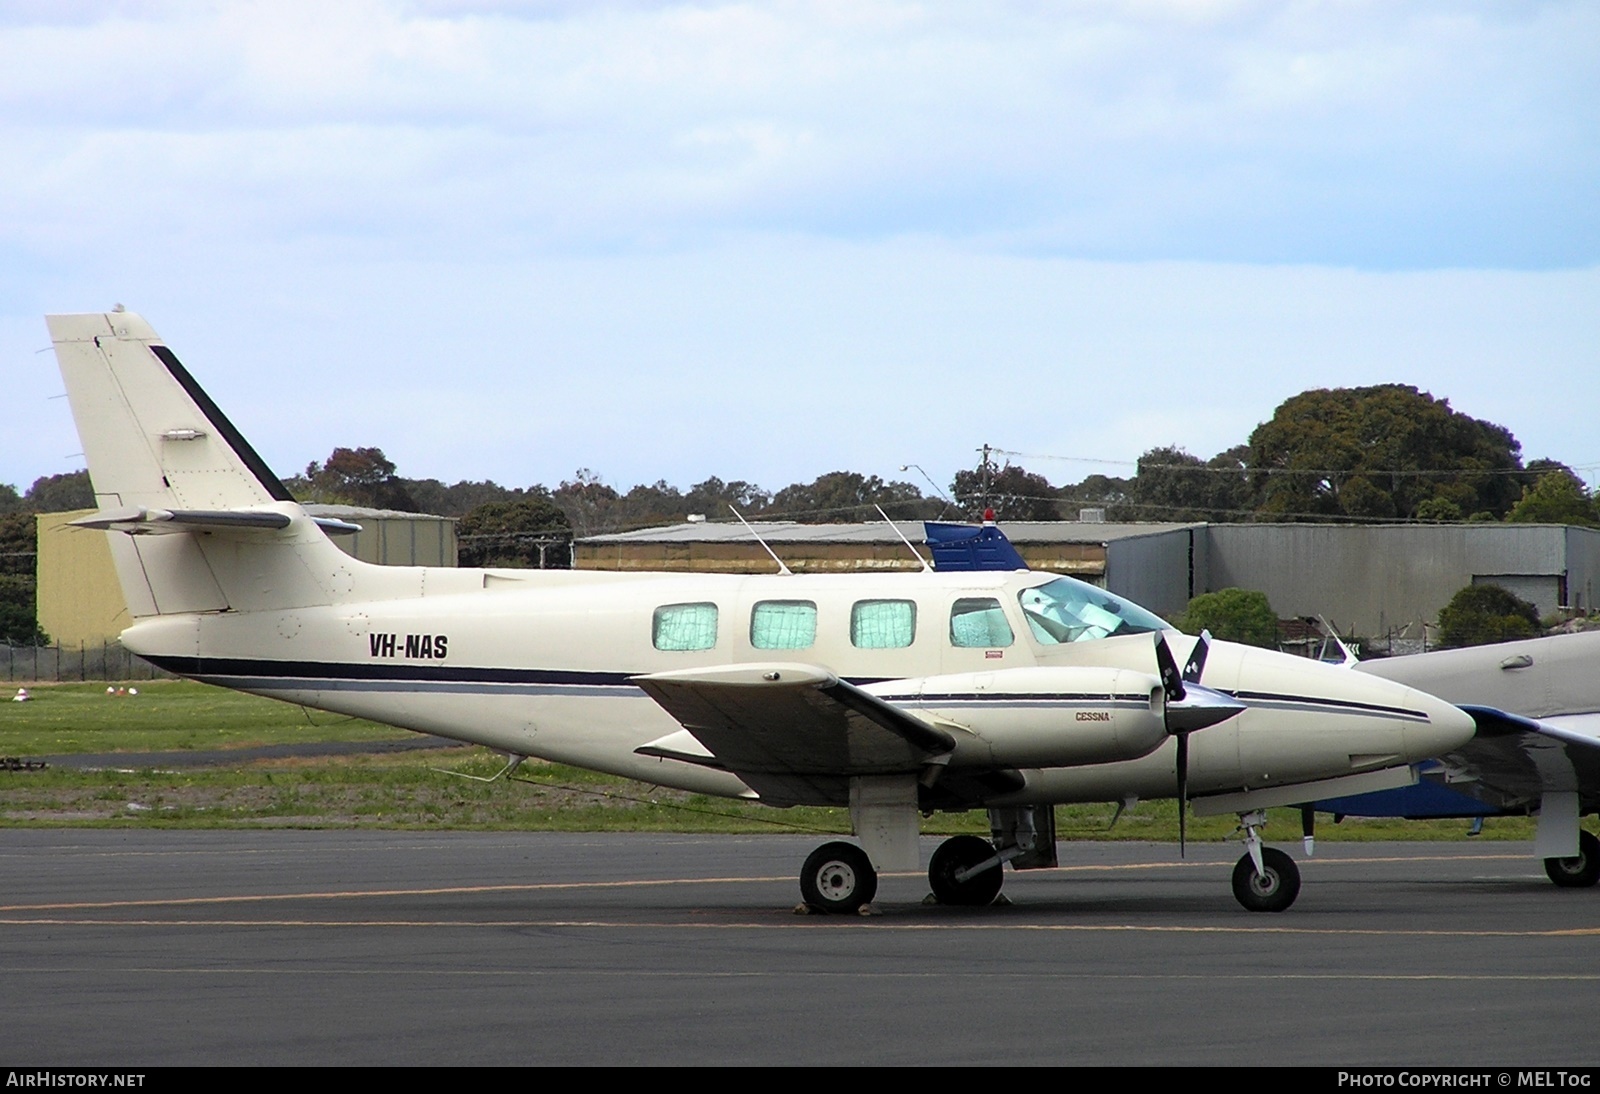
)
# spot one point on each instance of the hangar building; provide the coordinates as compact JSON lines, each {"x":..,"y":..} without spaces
{"x":1368,"y":579}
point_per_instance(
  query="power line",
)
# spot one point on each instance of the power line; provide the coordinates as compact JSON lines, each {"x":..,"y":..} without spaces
{"x":1323,"y":472}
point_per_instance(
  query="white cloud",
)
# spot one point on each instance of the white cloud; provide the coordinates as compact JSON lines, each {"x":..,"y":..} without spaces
{"x":1366,"y":133}
{"x":772,"y":240}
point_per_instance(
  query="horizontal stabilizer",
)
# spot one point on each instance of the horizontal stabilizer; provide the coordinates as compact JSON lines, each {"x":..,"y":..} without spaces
{"x":139,"y":521}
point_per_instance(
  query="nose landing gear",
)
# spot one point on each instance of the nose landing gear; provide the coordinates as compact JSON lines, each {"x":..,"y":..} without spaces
{"x":1265,"y":879}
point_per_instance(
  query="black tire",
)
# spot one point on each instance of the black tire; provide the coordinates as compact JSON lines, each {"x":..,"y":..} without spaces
{"x":959,"y":853}
{"x":1579,"y":872}
{"x":839,"y":878}
{"x":1270,"y":892}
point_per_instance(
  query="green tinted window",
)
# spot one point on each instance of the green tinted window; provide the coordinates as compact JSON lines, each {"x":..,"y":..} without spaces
{"x":883,"y":624}
{"x":685,"y":627}
{"x":783,"y":624}
{"x":979,"y":622}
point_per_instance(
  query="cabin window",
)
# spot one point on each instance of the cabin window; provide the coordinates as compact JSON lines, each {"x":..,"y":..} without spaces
{"x":1067,"y":610}
{"x":978,"y":622}
{"x":685,"y":627}
{"x":883,"y":624}
{"x":783,"y":624}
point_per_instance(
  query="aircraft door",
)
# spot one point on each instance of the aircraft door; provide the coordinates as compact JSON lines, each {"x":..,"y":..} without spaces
{"x":976,"y":632}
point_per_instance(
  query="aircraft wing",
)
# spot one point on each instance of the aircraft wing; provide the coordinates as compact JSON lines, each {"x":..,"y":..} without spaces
{"x":792,"y":732}
{"x":1509,"y":764}
{"x":1532,"y":702}
{"x":1516,"y":759}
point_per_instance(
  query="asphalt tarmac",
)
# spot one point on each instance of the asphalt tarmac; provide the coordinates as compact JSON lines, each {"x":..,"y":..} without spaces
{"x":139,"y":948}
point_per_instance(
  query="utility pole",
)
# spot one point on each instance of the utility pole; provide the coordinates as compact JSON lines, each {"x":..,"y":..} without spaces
{"x":985,"y":478}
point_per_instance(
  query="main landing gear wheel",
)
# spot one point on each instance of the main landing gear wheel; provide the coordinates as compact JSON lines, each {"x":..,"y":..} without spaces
{"x":962,"y":853}
{"x":1579,"y":872}
{"x":838,"y":877}
{"x":1272,"y":891}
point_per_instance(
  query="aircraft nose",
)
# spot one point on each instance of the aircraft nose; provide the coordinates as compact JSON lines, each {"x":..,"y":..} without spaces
{"x":1448,"y":728}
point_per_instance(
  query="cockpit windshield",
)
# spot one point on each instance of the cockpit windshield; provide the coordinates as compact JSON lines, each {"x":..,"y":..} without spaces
{"x":1068,"y":610}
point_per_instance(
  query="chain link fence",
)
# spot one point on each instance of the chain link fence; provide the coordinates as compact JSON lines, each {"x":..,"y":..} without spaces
{"x":60,"y":663}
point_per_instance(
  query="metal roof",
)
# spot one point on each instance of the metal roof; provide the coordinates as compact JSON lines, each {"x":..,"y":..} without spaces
{"x":356,"y":512}
{"x":773,"y":531}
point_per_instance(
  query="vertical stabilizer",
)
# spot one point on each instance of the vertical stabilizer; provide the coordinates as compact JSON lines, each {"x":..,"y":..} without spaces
{"x":156,"y":443}
{"x":152,"y":437}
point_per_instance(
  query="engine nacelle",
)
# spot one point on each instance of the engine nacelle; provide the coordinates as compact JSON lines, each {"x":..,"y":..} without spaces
{"x":1040,"y":716}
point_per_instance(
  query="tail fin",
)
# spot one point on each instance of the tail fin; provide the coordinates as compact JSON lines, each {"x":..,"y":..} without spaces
{"x":164,"y":459}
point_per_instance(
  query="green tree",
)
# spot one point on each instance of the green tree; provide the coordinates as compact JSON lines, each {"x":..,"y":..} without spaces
{"x":18,"y":552}
{"x":1170,"y":484}
{"x":1558,"y":497}
{"x":1099,"y":492}
{"x":587,"y":501}
{"x":1439,"y":509}
{"x":60,"y":493}
{"x":531,"y":533}
{"x":847,"y":496}
{"x":1480,"y":614}
{"x":1379,"y":452}
{"x":1233,"y":615}
{"x":712,"y":498}
{"x":433,"y":496}
{"x":1011,"y":491}
{"x":355,"y":476}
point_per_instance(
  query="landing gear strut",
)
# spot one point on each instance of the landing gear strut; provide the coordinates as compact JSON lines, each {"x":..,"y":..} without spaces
{"x":1265,"y":879}
{"x":966,"y":871}
{"x":838,"y":877}
{"x":1579,"y":872}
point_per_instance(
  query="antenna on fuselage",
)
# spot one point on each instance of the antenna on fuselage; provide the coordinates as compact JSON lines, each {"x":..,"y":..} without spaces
{"x":916,"y":554}
{"x":782,"y":569}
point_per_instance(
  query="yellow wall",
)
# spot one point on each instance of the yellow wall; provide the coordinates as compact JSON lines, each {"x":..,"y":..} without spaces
{"x":79,"y":598}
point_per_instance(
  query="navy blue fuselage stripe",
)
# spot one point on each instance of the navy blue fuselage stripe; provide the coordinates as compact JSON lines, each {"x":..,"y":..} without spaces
{"x":320,"y":670}
{"x":1312,"y":700}
{"x":311,"y":671}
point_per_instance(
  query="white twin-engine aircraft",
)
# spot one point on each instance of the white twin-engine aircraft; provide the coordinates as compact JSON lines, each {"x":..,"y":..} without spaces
{"x":893,"y":694}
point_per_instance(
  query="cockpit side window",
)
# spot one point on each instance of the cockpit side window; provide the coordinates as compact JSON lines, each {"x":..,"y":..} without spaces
{"x":684,"y":627}
{"x":883,"y":624}
{"x":1067,"y":610}
{"x":979,"y":622}
{"x":783,"y":624}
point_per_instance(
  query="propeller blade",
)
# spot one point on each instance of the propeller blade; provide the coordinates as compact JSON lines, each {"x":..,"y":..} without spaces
{"x":1196,"y":664}
{"x":1167,"y":669}
{"x":1183,"y":794}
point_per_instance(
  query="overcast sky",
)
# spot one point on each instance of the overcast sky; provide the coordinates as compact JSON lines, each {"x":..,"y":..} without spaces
{"x":766,"y":241}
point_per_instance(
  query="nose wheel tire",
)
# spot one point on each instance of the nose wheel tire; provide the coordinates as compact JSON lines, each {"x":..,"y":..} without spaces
{"x":1580,"y":871}
{"x":1272,"y":891}
{"x":961,"y":853}
{"x":839,"y":878}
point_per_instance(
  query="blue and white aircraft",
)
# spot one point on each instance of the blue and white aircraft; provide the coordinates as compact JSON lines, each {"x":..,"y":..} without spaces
{"x":1536,"y":749}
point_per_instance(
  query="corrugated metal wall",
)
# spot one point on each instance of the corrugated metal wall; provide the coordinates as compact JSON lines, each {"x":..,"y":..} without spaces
{"x":1375,"y":577}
